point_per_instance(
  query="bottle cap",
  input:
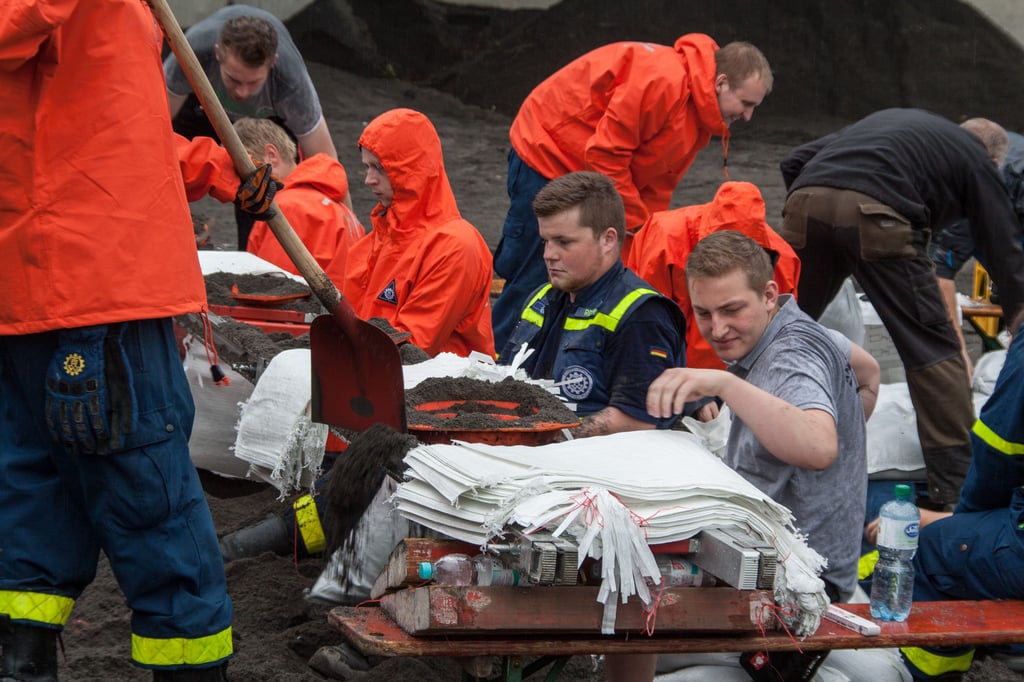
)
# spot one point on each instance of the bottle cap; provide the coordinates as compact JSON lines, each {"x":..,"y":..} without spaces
{"x":902,"y":491}
{"x":426,"y":570}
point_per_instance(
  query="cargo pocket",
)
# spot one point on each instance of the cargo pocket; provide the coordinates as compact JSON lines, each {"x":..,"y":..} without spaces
{"x":794,"y":220}
{"x":884,"y":233}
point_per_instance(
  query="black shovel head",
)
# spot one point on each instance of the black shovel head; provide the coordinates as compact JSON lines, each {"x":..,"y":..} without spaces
{"x":357,"y":376}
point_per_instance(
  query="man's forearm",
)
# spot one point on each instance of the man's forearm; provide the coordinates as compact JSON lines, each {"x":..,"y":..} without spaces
{"x":607,"y":421}
{"x":318,"y":142}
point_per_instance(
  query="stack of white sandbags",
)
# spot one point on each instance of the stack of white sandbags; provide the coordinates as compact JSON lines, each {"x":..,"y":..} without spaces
{"x":276,"y":433}
{"x":614,"y":495}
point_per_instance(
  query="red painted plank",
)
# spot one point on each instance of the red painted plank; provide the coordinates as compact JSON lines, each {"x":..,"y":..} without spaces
{"x":930,"y":623}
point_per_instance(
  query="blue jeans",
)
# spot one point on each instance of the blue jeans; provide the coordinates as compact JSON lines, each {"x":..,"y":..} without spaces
{"x":519,"y":257}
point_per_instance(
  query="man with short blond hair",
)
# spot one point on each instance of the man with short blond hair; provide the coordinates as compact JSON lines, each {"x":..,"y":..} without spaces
{"x":314,"y":199}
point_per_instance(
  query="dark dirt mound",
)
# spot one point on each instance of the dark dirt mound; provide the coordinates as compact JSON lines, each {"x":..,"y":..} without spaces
{"x":844,"y":58}
{"x":464,"y":403}
{"x":223,"y":288}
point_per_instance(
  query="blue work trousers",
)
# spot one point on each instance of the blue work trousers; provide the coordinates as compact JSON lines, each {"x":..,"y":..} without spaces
{"x":142,"y":505}
{"x":519,"y":257}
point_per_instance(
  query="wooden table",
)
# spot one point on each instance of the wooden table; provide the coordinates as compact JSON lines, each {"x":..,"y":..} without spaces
{"x":930,"y":624}
{"x":976,"y":315}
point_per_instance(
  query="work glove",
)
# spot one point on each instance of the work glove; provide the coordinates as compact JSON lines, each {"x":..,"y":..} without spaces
{"x":90,"y":398}
{"x":256,"y":193}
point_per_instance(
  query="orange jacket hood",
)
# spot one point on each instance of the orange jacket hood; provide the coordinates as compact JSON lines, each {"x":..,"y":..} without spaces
{"x":322,"y":174}
{"x":698,"y":51}
{"x":313,"y":202}
{"x":409,"y":150}
{"x":662,"y":246}
{"x":423,"y":267}
{"x":737,"y":206}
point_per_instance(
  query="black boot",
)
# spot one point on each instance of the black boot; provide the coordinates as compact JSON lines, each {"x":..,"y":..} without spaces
{"x":27,"y":653}
{"x":271,"y":534}
{"x":218,"y":673}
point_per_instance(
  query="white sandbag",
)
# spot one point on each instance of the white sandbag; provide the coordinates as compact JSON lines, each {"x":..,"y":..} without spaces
{"x":986,"y":371}
{"x":217,"y":407}
{"x":275,"y":433}
{"x":844,"y":314}
{"x":669,"y":487}
{"x":351,"y":572}
{"x":893,"y":445}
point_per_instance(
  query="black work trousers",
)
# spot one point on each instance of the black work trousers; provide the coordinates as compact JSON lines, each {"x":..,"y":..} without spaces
{"x":837,"y":233}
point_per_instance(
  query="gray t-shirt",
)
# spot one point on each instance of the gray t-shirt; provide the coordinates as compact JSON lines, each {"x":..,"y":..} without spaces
{"x":288,"y":92}
{"x":806,"y":365}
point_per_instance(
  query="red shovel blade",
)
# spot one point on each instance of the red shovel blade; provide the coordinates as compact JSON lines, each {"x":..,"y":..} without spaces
{"x":357,"y":376}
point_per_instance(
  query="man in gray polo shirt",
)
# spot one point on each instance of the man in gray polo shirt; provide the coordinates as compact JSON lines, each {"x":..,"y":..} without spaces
{"x":798,"y":394}
{"x":798,"y":418}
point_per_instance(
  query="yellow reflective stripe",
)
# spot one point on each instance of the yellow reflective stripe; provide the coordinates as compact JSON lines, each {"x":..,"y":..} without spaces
{"x":609,"y":321}
{"x":182,"y":650}
{"x":529,"y":314}
{"x":308,"y":520}
{"x":995,"y":441}
{"x":934,"y":664}
{"x":38,"y":607}
{"x":866,"y":564}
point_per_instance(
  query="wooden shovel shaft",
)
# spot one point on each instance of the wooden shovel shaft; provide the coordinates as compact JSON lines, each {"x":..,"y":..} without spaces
{"x":307,"y":266}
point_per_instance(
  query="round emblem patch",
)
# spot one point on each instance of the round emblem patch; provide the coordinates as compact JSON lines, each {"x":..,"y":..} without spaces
{"x":74,"y":364}
{"x":577,"y":382}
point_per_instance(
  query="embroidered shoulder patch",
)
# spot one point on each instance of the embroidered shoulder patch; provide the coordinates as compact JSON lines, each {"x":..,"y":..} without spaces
{"x":390,"y":294}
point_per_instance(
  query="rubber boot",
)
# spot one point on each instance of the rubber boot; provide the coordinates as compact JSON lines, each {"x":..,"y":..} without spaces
{"x":271,"y":534}
{"x":27,"y":653}
{"x":218,"y":673}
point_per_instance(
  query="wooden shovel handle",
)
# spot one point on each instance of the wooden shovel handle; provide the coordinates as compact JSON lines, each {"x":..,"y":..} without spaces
{"x":307,"y":266}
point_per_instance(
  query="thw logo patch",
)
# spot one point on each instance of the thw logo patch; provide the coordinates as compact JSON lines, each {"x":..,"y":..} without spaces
{"x":390,"y":294}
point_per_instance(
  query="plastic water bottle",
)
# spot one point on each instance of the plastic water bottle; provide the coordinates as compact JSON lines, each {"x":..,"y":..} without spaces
{"x":677,"y":571}
{"x":462,"y":569}
{"x":892,"y":586}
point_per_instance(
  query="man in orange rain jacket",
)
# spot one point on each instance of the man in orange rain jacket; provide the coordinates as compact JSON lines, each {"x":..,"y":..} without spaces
{"x":636,"y":112}
{"x":423,"y":268}
{"x":97,"y":254}
{"x":313,"y":200}
{"x":662,"y":245}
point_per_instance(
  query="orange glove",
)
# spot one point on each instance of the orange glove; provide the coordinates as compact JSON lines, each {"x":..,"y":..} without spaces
{"x":256,"y":193}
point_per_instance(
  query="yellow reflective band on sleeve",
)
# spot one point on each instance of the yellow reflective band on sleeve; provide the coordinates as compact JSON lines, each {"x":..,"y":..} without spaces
{"x":866,"y":564}
{"x":934,"y":664}
{"x":182,"y":650}
{"x":38,"y":607}
{"x":310,"y":530}
{"x":529,"y":314}
{"x":995,"y":441}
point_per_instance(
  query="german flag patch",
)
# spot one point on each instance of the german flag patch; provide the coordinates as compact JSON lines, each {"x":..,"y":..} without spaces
{"x":659,"y":353}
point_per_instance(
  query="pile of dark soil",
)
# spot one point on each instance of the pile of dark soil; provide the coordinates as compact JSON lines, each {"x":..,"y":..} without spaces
{"x":472,"y":404}
{"x":221,"y":285}
{"x":845,"y":58}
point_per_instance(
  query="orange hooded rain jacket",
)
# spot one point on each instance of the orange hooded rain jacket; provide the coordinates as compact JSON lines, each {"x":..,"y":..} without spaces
{"x":423,"y":267}
{"x":661,"y":247}
{"x":79,"y":243}
{"x":637,"y":112}
{"x":312,"y":202}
